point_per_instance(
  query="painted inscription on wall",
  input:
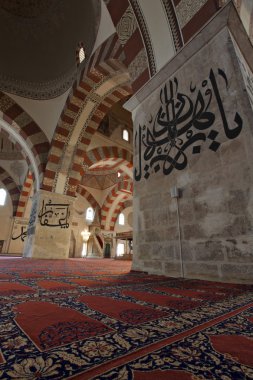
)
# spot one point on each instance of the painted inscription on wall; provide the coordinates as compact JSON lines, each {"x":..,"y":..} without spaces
{"x":54,"y":214}
{"x":21,"y":234}
{"x":182,"y":124}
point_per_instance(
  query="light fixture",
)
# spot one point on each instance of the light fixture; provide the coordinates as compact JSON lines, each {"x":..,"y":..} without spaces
{"x":174,"y":192}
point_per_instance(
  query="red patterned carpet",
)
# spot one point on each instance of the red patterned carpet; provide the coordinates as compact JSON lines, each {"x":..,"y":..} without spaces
{"x":94,"y":319}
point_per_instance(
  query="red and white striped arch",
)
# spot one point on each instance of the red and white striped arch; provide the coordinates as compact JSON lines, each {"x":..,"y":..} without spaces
{"x":89,"y":197}
{"x":137,"y":55}
{"x":11,"y":187}
{"x":74,"y":106}
{"x":138,"y":34}
{"x":131,"y":37}
{"x":114,"y":94}
{"x":110,"y":156}
{"x":21,"y":128}
{"x":25,"y":194}
{"x":113,"y":204}
{"x":97,"y":93}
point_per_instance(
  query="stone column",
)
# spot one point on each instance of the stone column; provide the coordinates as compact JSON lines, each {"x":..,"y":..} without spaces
{"x":193,"y":132}
{"x":18,"y":235}
{"x":49,"y":227}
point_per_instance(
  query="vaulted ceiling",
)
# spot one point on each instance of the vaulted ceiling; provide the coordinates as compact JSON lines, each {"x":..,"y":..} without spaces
{"x":57,"y":107}
{"x":39,"y":40}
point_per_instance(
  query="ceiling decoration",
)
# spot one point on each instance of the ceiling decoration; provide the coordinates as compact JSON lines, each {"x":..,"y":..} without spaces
{"x":27,"y":8}
{"x":99,"y":181}
{"x":40,"y":51}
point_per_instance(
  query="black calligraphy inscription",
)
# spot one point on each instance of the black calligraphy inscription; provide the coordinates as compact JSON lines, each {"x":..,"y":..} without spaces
{"x":22,"y":235}
{"x":182,"y":121}
{"x":54,"y":214}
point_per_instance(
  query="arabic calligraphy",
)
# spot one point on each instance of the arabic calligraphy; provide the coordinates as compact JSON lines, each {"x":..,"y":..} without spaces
{"x":182,"y":121}
{"x":22,"y":235}
{"x":54,"y":214}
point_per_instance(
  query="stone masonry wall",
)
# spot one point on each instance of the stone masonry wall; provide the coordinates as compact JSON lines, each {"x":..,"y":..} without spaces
{"x":195,"y":132}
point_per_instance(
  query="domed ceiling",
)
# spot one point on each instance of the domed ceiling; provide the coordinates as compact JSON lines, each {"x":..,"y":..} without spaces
{"x":39,"y":42}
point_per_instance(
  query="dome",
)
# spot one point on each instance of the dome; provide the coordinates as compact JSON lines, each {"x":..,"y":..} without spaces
{"x":40,"y":41}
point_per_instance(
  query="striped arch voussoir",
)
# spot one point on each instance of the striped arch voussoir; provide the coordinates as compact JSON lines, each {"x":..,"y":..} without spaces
{"x":111,"y":72}
{"x":25,"y":194}
{"x":90,"y":78}
{"x":114,"y":203}
{"x":26,"y":127}
{"x":90,"y":127}
{"x":89,"y":197}
{"x":104,"y":153}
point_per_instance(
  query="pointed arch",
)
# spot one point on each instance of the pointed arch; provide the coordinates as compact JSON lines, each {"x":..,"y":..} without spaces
{"x":89,"y":197}
{"x":119,"y":156}
{"x":114,"y":203}
{"x":139,"y":62}
{"x":102,"y":88}
{"x":23,"y":129}
{"x":111,"y":48}
{"x":25,"y":194}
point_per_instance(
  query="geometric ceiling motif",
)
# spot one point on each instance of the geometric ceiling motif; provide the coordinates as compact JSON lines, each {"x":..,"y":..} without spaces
{"x":99,"y":181}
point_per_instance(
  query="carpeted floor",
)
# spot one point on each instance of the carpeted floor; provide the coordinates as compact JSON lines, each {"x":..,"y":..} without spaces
{"x":94,"y":319}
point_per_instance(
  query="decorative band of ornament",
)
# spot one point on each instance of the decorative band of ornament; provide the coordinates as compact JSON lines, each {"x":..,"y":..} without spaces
{"x":35,"y":90}
{"x":174,"y":25}
{"x":145,"y":35}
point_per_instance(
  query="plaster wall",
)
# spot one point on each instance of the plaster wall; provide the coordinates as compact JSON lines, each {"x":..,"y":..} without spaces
{"x":45,"y":113}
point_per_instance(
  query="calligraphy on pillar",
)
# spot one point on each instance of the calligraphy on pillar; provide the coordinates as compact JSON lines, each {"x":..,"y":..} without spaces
{"x":54,"y":214}
{"x":21,"y":234}
{"x":183,"y":123}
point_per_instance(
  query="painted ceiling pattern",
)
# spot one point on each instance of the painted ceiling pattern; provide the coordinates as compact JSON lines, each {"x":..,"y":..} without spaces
{"x":100,"y":182}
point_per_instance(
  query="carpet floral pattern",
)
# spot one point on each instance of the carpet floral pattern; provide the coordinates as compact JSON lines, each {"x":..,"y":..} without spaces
{"x":94,"y":319}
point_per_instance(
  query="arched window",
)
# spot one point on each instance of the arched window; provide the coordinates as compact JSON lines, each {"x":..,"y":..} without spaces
{"x":121,"y":219}
{"x":125,"y":135}
{"x":81,"y":55}
{"x":120,"y":249}
{"x":90,"y":214}
{"x":2,"y":197}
